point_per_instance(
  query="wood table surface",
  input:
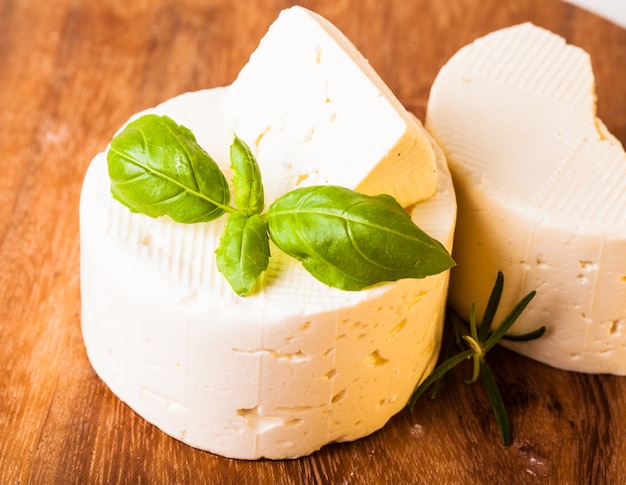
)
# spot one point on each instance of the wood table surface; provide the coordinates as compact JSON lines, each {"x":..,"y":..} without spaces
{"x":71,"y":72}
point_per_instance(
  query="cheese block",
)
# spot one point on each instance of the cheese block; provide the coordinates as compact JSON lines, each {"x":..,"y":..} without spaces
{"x":314,"y":112}
{"x":277,"y":374}
{"x":541,"y":188}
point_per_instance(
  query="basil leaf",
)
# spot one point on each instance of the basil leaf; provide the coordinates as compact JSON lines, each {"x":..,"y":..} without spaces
{"x":247,"y":182}
{"x":350,"y":240}
{"x":243,"y":252}
{"x":157,"y":167}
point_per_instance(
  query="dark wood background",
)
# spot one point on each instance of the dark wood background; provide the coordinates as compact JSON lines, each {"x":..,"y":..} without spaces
{"x":71,"y":72}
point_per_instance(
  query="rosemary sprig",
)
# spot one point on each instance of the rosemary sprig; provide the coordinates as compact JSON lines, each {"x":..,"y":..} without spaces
{"x":474,"y":341}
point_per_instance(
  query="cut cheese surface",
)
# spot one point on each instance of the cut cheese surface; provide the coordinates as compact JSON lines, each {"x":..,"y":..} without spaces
{"x":541,"y":187}
{"x":315,"y":112}
{"x":277,"y":374}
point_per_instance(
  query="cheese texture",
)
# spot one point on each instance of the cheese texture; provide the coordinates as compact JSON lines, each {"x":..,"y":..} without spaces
{"x":541,"y":188}
{"x":277,"y":374}
{"x":315,"y":112}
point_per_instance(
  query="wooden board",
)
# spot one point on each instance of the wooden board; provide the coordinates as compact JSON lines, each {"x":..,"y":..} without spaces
{"x":71,"y":73}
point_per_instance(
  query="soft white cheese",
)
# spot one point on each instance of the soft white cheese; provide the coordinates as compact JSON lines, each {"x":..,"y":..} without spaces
{"x":315,"y":112}
{"x":277,"y":374}
{"x":541,"y":188}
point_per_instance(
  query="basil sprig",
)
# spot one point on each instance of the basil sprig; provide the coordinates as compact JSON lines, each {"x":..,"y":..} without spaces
{"x":345,"y":239}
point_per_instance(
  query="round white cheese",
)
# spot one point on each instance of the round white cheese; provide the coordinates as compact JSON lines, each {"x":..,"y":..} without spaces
{"x":541,"y":188}
{"x":277,"y":374}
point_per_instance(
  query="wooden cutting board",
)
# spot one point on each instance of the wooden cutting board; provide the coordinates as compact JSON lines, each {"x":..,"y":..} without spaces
{"x":71,"y":72}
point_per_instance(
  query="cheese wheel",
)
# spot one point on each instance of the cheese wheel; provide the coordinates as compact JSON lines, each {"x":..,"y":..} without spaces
{"x":541,"y":188}
{"x":277,"y":374}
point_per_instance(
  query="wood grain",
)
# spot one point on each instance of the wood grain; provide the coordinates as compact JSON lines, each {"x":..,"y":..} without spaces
{"x":71,"y":72}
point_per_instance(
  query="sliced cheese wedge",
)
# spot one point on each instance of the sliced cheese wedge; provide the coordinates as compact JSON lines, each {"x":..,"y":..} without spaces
{"x":314,"y":111}
{"x":277,"y":374}
{"x":541,"y":188}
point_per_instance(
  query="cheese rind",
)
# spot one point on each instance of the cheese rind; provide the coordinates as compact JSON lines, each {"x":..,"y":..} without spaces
{"x":315,"y":112}
{"x":277,"y":374}
{"x":541,"y":186}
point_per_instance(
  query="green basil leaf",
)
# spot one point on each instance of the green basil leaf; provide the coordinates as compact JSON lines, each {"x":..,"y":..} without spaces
{"x":249,"y":196}
{"x":243,"y":252}
{"x":350,"y":240}
{"x":157,"y":168}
